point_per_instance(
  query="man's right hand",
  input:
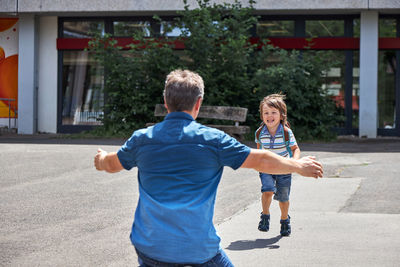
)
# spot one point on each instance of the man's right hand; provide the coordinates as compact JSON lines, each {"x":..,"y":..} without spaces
{"x":310,"y":167}
{"x":108,"y":162}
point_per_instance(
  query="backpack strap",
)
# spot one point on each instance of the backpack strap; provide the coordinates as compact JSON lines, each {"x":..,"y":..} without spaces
{"x":258,"y":132}
{"x":285,"y":130}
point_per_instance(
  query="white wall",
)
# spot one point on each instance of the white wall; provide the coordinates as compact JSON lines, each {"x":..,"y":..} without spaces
{"x":27,"y":74}
{"x":9,"y":6}
{"x":172,"y":5}
{"x":368,"y":74}
{"x":47,"y":75}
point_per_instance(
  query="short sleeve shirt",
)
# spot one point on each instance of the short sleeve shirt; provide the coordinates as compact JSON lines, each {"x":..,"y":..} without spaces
{"x":180,"y":163}
{"x":276,"y":143}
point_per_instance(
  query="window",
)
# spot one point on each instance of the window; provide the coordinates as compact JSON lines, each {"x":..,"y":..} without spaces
{"x":356,"y":28}
{"x":386,"y":89}
{"x":270,"y":28}
{"x":82,"y":89}
{"x":324,"y":28}
{"x":129,"y":28}
{"x":387,"y":27}
{"x":82,"y":29}
{"x":356,"y":89}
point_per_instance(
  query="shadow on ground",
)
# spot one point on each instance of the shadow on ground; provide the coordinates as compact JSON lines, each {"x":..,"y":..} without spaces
{"x":253,"y":244}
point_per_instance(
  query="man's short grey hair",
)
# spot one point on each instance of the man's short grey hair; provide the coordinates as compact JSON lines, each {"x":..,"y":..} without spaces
{"x":182,"y":89}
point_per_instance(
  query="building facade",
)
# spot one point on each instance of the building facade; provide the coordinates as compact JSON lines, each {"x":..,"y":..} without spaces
{"x":48,"y":81}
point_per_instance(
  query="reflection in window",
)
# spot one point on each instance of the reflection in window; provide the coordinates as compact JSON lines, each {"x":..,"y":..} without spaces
{"x":356,"y":89}
{"x":356,"y":28}
{"x":335,"y":83}
{"x":324,"y":28}
{"x":129,"y":28}
{"x":82,"y":89}
{"x":387,"y":27}
{"x":275,"y":28}
{"x":386,"y":89}
{"x":82,"y":29}
{"x":170,"y":30}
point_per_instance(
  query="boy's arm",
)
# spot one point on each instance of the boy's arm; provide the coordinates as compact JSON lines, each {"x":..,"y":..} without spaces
{"x":295,"y":151}
{"x":269,"y":162}
{"x":108,"y":162}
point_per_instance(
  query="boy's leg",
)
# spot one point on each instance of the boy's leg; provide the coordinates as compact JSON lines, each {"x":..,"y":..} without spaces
{"x":284,"y":206}
{"x":267,"y":190}
{"x":266,"y":200}
{"x":283,"y":184}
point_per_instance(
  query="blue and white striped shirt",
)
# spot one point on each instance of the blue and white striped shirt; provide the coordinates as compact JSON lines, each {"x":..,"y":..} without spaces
{"x":275,"y":143}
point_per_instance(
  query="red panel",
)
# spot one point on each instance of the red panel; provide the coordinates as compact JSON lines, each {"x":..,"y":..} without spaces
{"x":389,"y":43}
{"x":72,"y":43}
{"x":335,"y":43}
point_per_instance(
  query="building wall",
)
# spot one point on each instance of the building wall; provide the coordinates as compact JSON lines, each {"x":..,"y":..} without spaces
{"x":47,"y":75}
{"x":369,"y":74}
{"x":8,"y":6}
{"x":27,"y":69}
{"x":173,"y":5}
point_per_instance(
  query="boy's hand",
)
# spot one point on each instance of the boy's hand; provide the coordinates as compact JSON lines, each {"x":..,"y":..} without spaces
{"x":99,"y":158}
{"x":310,"y":167}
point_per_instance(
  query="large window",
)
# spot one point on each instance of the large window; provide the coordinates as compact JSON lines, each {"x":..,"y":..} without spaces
{"x":386,"y":89}
{"x":388,"y":79}
{"x":82,"y":91}
{"x":82,"y":78}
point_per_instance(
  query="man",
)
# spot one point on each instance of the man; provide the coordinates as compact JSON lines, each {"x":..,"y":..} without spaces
{"x":180,"y":163}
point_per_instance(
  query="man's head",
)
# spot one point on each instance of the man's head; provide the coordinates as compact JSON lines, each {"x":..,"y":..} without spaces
{"x":182,"y":90}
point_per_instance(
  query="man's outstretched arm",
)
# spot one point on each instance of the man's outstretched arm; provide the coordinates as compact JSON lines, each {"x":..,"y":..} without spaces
{"x":108,"y":162}
{"x":268,"y":162}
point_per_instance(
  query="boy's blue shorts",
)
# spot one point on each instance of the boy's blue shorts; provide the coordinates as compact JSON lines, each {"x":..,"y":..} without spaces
{"x":277,"y":183}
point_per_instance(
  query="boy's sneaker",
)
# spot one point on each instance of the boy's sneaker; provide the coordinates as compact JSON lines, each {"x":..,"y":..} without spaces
{"x":263,"y":225}
{"x":285,"y":227}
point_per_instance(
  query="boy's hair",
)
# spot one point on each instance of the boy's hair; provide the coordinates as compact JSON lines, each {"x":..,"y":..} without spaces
{"x":275,"y":101}
{"x":182,"y":89}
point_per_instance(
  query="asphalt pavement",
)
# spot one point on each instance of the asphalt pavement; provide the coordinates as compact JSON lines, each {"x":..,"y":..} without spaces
{"x":58,"y":211}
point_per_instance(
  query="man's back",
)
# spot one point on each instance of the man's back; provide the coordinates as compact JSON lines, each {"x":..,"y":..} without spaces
{"x":180,"y":163}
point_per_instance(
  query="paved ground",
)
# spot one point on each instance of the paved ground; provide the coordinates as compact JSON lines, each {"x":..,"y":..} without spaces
{"x":58,"y":211}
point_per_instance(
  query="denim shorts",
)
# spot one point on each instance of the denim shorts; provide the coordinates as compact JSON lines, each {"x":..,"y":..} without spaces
{"x":277,"y":183}
{"x":219,"y":260}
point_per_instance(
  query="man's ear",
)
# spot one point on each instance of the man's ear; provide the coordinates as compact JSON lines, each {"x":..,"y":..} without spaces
{"x":198,"y":103}
{"x":165,"y":105}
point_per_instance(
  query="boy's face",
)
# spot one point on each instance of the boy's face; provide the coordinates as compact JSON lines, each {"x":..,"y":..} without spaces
{"x":271,"y":116}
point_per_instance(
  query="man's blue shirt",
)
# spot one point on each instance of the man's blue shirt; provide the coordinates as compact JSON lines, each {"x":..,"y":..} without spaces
{"x":180,"y":163}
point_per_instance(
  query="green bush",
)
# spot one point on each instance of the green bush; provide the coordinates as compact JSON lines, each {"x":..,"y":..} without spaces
{"x":236,"y":72}
{"x":133,"y":83}
{"x":311,"y":111}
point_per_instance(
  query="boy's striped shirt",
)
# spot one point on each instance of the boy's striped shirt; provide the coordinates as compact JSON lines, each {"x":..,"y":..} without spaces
{"x":276,"y":143}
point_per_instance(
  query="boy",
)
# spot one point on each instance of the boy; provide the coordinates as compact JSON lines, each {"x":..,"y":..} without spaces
{"x":274,"y":135}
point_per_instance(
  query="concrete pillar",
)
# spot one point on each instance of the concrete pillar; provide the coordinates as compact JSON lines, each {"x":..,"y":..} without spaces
{"x":47,"y":75}
{"x":369,"y":74}
{"x":26,"y":75}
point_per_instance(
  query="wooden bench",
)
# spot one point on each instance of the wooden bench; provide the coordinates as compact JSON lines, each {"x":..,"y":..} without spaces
{"x":235,"y":114}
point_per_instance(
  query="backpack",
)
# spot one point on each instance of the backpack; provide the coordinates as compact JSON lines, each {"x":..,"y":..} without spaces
{"x":285,"y":130}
